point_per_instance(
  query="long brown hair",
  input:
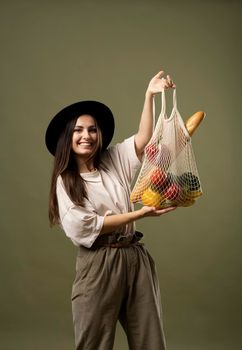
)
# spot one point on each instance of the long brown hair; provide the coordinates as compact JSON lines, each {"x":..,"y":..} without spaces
{"x":65,"y":165}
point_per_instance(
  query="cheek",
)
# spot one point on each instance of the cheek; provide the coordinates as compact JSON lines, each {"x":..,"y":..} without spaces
{"x":73,"y":143}
{"x":94,"y":137}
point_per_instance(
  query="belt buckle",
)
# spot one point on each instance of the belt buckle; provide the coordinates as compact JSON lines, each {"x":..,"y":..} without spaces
{"x":122,"y":238}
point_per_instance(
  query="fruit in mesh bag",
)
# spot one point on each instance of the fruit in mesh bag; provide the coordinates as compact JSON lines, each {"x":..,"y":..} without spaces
{"x":172,"y":178}
{"x":151,"y":198}
{"x":191,"y":188}
{"x":190,"y":180}
{"x":158,"y":154}
{"x":173,"y":192}
{"x":188,"y":203}
{"x":151,"y":152}
{"x":190,"y":195}
{"x":158,"y":179}
{"x":140,"y":186}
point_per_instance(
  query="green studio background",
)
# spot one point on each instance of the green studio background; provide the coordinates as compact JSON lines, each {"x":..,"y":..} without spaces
{"x":56,"y":52}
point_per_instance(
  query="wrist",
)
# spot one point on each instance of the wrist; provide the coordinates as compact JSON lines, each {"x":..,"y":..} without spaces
{"x":139,"y":214}
{"x":149,"y":94}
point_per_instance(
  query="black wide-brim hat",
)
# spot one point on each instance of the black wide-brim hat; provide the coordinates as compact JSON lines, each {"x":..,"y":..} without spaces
{"x":99,"y":111}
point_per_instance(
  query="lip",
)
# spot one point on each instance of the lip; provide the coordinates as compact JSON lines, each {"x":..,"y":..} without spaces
{"x":85,"y":143}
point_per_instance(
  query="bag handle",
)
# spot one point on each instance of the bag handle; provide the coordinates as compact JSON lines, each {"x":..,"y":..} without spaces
{"x":174,"y":99}
{"x":163,"y":106}
{"x":154,"y":121}
{"x":163,"y":103}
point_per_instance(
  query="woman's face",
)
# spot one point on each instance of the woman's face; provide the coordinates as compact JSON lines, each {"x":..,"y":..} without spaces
{"x":84,"y":137}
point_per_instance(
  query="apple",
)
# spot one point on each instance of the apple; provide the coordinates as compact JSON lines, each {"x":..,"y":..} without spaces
{"x":151,"y":152}
{"x":158,"y":179}
{"x":173,"y":192}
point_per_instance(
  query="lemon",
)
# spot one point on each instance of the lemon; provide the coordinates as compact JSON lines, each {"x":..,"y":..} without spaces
{"x":190,"y":195}
{"x":151,"y":198}
{"x":188,"y":203}
{"x":195,"y":194}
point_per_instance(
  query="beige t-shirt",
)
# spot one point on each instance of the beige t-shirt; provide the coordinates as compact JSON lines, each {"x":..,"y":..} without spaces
{"x":108,"y":191}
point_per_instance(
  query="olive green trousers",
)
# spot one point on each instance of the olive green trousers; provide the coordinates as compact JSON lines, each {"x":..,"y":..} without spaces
{"x":114,"y":284}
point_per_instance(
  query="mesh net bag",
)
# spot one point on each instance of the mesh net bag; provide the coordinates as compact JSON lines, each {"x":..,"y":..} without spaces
{"x":168,"y":176}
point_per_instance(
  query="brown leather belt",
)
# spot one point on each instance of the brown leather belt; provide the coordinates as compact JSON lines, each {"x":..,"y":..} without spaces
{"x":117,"y":240}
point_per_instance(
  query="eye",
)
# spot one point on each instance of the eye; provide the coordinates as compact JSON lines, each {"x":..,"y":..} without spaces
{"x":93,"y":130}
{"x":77,"y":130}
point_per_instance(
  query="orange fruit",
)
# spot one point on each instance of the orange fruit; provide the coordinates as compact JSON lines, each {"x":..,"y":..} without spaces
{"x":151,"y":198}
{"x":140,"y":187}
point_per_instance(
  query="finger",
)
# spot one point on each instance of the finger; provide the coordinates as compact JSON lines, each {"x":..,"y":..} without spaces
{"x":151,"y":209}
{"x":160,"y":74}
{"x":170,"y":81}
{"x":148,"y":209}
{"x":171,"y":85}
{"x":166,"y":210}
{"x":165,"y":85}
{"x":164,"y":82}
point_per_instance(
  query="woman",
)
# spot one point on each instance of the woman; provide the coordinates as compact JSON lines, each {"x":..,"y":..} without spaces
{"x":89,"y":198}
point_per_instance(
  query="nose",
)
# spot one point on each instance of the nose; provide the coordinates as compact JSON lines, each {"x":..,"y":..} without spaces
{"x":85,"y":134}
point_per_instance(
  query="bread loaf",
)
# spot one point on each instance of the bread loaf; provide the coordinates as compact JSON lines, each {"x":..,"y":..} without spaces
{"x":194,"y":121}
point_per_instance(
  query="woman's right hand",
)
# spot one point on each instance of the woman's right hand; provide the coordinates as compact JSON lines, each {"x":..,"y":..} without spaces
{"x":159,"y":83}
{"x":152,"y":211}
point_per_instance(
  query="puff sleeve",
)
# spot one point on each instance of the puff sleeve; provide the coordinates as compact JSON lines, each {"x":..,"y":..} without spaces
{"x":81,"y":224}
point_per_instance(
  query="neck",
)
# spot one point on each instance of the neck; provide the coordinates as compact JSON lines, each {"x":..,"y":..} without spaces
{"x":85,"y":166}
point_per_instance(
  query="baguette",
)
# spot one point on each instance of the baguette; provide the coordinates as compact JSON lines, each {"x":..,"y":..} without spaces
{"x":194,"y":121}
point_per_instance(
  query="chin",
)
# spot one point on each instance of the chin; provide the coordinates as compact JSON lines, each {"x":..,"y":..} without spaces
{"x":83,"y":153}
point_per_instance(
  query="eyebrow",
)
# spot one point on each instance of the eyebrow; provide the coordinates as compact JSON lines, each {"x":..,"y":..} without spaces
{"x":81,"y":126}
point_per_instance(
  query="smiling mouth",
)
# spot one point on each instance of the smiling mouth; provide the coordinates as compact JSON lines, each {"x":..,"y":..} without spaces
{"x":85,"y":144}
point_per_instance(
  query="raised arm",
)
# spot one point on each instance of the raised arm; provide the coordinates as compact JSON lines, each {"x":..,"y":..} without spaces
{"x":156,"y":85}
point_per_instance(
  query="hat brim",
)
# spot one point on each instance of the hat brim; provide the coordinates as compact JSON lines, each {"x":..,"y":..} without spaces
{"x":99,"y":111}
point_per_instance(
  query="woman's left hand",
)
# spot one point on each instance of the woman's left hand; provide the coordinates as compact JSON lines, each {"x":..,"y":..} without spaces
{"x":159,"y":83}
